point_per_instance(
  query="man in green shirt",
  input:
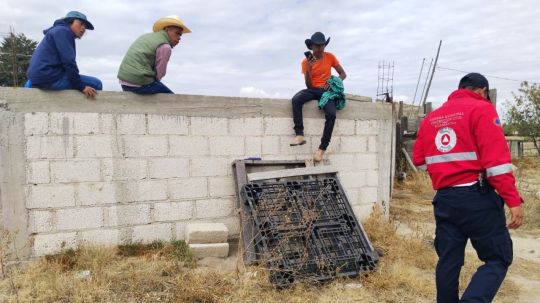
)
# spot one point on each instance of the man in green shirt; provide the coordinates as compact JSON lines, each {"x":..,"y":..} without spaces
{"x":145,"y":62}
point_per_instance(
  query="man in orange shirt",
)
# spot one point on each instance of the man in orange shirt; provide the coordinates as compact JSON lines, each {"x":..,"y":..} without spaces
{"x":317,"y":69}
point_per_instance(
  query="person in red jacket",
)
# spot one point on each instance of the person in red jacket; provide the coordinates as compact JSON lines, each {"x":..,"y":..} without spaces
{"x":463,"y":147}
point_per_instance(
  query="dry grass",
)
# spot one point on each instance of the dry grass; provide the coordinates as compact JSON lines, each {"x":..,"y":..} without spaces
{"x":167,"y":272}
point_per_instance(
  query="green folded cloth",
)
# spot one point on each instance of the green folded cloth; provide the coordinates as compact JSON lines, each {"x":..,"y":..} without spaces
{"x":336,"y":92}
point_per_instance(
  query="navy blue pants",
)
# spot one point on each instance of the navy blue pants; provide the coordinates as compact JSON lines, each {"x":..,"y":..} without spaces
{"x":463,"y":213}
{"x":307,"y":95}
{"x":155,"y":87}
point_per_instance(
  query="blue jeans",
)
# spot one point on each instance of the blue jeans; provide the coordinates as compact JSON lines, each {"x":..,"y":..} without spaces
{"x":155,"y":87}
{"x":64,"y":83}
{"x":463,"y":213}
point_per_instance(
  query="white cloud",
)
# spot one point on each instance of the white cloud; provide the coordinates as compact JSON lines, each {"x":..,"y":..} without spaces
{"x":258,"y":45}
{"x":250,"y":91}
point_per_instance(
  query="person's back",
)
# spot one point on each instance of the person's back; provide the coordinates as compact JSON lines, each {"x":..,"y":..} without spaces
{"x":466,"y":154}
{"x":46,"y":64}
{"x":53,"y":65}
{"x":138,"y":65}
{"x":145,"y":62}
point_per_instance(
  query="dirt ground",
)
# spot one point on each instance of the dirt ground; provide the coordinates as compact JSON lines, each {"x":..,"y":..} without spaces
{"x":167,"y":272}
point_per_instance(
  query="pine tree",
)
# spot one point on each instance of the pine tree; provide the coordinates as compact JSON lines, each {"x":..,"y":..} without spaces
{"x":15,"y":54}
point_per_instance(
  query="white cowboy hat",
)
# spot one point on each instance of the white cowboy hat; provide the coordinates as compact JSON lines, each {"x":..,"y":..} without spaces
{"x":172,"y":20}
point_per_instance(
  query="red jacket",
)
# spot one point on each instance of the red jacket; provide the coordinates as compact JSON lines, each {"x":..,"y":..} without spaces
{"x":463,"y":138}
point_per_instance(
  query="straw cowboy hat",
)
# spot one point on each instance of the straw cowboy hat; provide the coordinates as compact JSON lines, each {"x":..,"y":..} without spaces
{"x":172,"y":20}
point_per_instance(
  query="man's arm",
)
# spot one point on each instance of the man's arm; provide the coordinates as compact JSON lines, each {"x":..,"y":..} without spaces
{"x":307,"y":71}
{"x":163,"y":53}
{"x":341,"y":72}
{"x":496,"y":159}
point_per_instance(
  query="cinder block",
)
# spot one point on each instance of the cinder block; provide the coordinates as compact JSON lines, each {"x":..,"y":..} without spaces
{"x":145,"y":146}
{"x":203,"y":233}
{"x":355,"y":179}
{"x":367,"y":127}
{"x":40,"y":221}
{"x":233,"y":224}
{"x":57,"y":147}
{"x":168,"y":168}
{"x":221,"y":186}
{"x":152,"y":232}
{"x":168,"y":125}
{"x":368,"y":194}
{"x":253,"y":146}
{"x":173,"y":211}
{"x":344,"y":127}
{"x":102,"y":237}
{"x":180,"y":230}
{"x":313,"y":127}
{"x":79,"y":218}
{"x":372,"y":178}
{"x":96,"y":146}
{"x":38,"y":172}
{"x":46,"y":244}
{"x":278,"y":126}
{"x":246,"y":127}
{"x":226,"y":146}
{"x":343,"y":162}
{"x":372,"y":144}
{"x":127,"y":215}
{"x":219,"y":250}
{"x":366,"y":162}
{"x":188,"y":188}
{"x":36,"y":123}
{"x":208,"y":167}
{"x":96,"y":193}
{"x":353,"y":144}
{"x":123,"y":169}
{"x":75,"y":171}
{"x":131,"y":124}
{"x":107,"y":124}
{"x":362,"y":211}
{"x":270,"y":145}
{"x":213,"y":208}
{"x":50,"y":196}
{"x":154,"y":190}
{"x":188,"y":146}
{"x":203,"y":126}
{"x":74,"y":123}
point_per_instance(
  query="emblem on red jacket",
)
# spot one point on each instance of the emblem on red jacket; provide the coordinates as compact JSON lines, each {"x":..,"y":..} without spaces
{"x":446,"y":139}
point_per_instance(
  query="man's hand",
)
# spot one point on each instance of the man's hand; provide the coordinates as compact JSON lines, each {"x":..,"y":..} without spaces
{"x":310,"y":62}
{"x":326,"y":86}
{"x":516,"y":217}
{"x":90,"y":92}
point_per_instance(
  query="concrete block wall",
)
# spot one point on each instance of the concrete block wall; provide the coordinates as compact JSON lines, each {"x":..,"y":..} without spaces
{"x":128,"y":168}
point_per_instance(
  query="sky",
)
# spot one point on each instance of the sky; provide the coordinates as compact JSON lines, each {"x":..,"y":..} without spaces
{"x":254,"y":48}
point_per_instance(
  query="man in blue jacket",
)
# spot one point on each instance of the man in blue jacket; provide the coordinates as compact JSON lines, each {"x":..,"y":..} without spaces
{"x":53,"y":64}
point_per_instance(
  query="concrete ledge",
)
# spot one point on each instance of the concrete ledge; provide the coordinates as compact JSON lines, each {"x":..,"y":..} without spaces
{"x":202,"y":233}
{"x":284,"y":173}
{"x":36,"y":100}
{"x":220,"y":250}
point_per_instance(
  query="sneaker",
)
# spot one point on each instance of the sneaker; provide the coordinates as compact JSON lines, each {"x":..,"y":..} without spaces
{"x":317,"y":157}
{"x":298,"y":140}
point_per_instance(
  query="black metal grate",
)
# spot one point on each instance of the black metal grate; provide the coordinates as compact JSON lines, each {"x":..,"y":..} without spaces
{"x":306,"y":230}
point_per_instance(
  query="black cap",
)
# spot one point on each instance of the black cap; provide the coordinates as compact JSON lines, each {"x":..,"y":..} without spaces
{"x":474,"y":80}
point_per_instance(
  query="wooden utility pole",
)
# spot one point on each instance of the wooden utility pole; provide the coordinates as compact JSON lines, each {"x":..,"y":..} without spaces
{"x":432,"y":73}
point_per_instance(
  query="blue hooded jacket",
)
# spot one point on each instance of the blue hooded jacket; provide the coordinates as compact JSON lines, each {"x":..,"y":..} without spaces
{"x":55,"y":57}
